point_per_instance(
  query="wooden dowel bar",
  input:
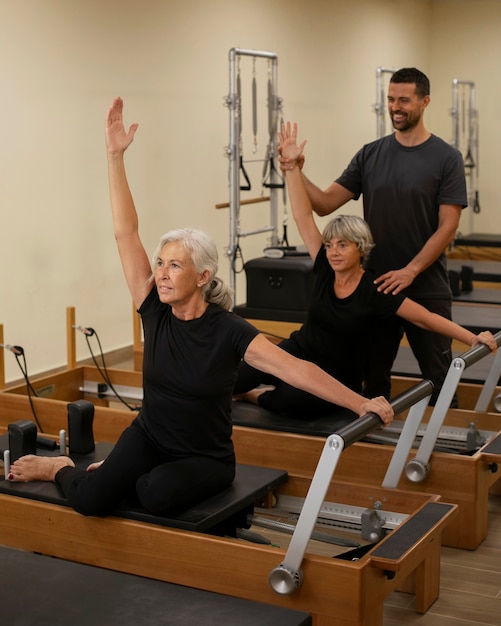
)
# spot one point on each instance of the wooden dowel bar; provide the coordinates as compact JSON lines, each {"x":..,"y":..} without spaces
{"x":225,"y":205}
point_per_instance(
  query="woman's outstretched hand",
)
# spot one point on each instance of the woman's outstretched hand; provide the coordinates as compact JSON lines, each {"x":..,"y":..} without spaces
{"x":487,"y":338}
{"x":289,"y":151}
{"x":117,"y":138}
{"x":380,"y":406}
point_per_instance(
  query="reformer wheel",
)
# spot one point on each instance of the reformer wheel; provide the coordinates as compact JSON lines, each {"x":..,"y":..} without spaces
{"x":416,"y":471}
{"x":284,"y":581}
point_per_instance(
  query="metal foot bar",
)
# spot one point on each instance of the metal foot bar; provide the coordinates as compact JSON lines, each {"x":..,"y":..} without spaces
{"x":287,"y":576}
{"x":490,"y":384}
{"x":418,"y":469}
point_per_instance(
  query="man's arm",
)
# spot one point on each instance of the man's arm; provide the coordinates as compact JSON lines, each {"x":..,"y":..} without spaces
{"x":395,"y":280}
{"x":323,"y":202}
{"x":328,"y":201}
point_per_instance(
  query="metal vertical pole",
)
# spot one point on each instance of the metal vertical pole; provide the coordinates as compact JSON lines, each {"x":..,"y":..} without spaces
{"x":233,"y":156}
{"x":379,"y":107}
{"x":274,"y":105}
{"x":233,"y":152}
{"x":455,"y":114}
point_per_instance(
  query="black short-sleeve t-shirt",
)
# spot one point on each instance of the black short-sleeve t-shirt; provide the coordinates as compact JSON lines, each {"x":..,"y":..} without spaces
{"x":403,"y":188}
{"x":336,"y":331}
{"x":189,"y":370}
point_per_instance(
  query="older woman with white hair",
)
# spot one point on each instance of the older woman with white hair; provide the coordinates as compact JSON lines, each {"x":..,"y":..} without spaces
{"x":178,"y":450}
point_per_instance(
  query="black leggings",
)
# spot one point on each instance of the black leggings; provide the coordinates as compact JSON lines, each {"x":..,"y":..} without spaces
{"x":137,"y":470}
{"x":283,"y":398}
{"x":432,"y":351}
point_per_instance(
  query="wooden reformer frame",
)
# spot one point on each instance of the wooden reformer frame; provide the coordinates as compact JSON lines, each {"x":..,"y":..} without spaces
{"x":363,"y":462}
{"x":351,"y":592}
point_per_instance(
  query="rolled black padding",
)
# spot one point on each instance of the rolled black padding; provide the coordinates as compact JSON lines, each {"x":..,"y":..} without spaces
{"x":22,"y":439}
{"x":80,"y":423}
{"x":479,"y":351}
{"x":364,"y":425}
{"x":466,"y":278}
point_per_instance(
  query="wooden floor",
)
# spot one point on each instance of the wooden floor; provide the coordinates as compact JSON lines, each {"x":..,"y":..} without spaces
{"x":470,"y":585}
{"x":470,"y":581}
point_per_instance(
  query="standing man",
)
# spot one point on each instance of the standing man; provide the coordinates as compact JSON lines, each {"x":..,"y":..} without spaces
{"x":414,"y":188}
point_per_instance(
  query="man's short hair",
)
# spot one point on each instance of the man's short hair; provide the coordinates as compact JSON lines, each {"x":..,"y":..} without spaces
{"x":412,"y":75}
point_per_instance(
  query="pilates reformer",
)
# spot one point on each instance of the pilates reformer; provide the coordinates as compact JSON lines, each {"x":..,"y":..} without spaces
{"x":287,"y":576}
{"x":418,"y":469}
{"x":479,"y":240}
{"x":350,"y":591}
{"x":482,"y":271}
{"x":224,"y":514}
{"x":262,"y":437}
{"x":128,"y":385}
{"x":448,"y":443}
{"x":473,"y":316}
{"x":476,"y":282}
{"x":92,"y":595}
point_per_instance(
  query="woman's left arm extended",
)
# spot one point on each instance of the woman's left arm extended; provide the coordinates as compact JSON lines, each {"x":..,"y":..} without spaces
{"x":420,"y":316}
{"x":305,"y":375}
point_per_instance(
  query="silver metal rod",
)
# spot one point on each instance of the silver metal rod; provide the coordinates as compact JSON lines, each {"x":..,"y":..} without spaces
{"x":274,"y":107}
{"x":251,"y":53}
{"x":257,"y":231}
{"x":490,"y":385}
{"x":455,"y":114}
{"x":270,"y":524}
{"x":404,"y":444}
{"x":380,"y":107}
{"x":466,"y":139}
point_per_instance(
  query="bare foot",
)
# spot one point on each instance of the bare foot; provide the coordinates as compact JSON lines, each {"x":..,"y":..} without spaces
{"x":93,"y":466}
{"x":252,"y":395}
{"x":31,"y":467}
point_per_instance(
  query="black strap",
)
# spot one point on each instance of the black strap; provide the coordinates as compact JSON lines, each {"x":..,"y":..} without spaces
{"x":237,"y":256}
{"x":242,"y":168}
{"x":271,"y":162}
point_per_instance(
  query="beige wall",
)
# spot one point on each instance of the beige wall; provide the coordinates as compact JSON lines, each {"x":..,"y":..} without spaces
{"x":63,"y":62}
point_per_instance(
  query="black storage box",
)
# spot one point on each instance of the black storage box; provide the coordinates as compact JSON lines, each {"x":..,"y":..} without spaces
{"x":278,"y":288}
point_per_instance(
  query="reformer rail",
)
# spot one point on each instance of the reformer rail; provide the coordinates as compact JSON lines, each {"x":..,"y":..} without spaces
{"x":287,"y":576}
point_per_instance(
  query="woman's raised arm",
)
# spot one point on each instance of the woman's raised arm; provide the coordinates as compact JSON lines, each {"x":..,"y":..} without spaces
{"x":135,"y":263}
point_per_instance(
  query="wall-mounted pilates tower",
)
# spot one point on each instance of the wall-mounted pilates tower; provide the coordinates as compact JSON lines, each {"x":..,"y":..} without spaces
{"x":465,"y":136}
{"x":272,"y":180}
{"x":380,"y":106}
